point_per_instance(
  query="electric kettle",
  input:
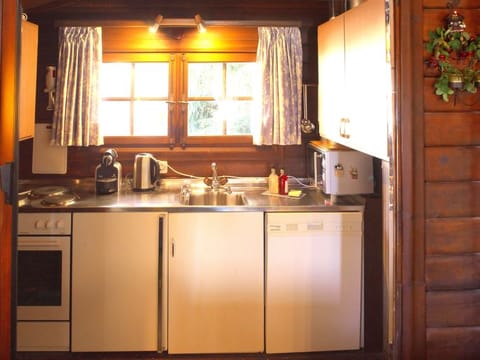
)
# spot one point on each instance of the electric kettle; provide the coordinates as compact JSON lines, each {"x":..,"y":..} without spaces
{"x":146,"y":171}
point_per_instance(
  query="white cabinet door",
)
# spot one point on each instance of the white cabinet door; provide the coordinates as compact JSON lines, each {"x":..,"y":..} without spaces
{"x":215,"y":283}
{"x":331,"y":78}
{"x":366,"y":70}
{"x":115,"y":260}
{"x":354,"y":79}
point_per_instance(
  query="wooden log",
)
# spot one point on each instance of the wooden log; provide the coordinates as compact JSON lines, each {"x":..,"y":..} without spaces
{"x":452,"y":272}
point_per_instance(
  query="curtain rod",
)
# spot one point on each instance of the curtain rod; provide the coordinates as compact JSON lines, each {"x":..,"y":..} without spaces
{"x":176,"y":23}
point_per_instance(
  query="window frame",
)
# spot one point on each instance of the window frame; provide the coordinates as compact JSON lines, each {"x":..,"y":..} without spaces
{"x":177,"y":99}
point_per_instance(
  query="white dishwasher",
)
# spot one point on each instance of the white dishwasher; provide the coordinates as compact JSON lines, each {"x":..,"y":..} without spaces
{"x":313,"y":281}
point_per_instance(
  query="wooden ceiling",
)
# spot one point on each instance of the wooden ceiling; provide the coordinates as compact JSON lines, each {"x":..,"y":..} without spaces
{"x":310,"y":11}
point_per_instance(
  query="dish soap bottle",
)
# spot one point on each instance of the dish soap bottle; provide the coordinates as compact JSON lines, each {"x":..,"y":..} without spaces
{"x":273,"y":182}
{"x":283,"y":183}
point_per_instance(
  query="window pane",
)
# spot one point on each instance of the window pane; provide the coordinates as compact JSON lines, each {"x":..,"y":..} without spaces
{"x":151,"y":80}
{"x":116,"y":79}
{"x":151,"y":118}
{"x":203,"y":118}
{"x":240,"y":78}
{"x":238,"y":122}
{"x":115,"y":118}
{"x":205,"y":79}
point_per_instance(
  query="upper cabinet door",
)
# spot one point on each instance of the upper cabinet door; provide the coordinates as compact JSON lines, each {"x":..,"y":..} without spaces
{"x":356,"y":116}
{"x":331,"y":77}
{"x":366,"y":69}
{"x":28,"y":80}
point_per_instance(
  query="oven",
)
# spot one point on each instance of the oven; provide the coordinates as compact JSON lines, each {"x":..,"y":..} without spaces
{"x":43,"y":281}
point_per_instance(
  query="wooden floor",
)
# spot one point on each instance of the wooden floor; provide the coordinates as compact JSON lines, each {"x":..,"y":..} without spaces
{"x":340,"y":355}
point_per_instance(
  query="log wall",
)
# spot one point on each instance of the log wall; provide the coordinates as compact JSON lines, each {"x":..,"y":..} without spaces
{"x":452,"y":209}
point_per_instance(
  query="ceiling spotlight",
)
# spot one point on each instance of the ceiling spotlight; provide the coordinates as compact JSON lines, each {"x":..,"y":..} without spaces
{"x":200,"y":24}
{"x":155,"y":26}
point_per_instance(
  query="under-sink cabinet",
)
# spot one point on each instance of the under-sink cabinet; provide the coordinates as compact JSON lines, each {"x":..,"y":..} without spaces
{"x":115,"y":285}
{"x":216,"y":282}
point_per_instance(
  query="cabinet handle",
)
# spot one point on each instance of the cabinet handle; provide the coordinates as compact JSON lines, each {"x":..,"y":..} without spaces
{"x":173,"y":248}
{"x":343,"y":128}
{"x":346,"y":135}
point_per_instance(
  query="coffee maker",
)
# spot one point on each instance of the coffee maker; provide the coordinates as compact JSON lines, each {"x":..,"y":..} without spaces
{"x":108,"y":174}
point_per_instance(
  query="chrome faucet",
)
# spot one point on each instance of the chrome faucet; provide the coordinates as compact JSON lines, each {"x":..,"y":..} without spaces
{"x":215,"y":182}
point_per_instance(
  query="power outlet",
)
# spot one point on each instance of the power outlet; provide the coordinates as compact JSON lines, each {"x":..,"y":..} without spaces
{"x":163,"y":164}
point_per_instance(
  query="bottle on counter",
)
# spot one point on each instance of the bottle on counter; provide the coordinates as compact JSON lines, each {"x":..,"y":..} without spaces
{"x":283,"y":183}
{"x":273,"y":182}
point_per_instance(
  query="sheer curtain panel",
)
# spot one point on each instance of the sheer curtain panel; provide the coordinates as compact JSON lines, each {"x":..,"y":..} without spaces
{"x":279,"y":56}
{"x":77,"y":98}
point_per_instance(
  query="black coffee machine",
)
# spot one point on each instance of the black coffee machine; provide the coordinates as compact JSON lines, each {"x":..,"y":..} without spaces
{"x":108,"y":174}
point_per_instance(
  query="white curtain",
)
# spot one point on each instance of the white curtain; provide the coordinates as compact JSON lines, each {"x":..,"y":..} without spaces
{"x":279,"y":56}
{"x":76,"y":114}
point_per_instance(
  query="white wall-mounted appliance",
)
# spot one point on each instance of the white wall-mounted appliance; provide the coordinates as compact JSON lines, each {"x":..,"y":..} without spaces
{"x":339,"y":170}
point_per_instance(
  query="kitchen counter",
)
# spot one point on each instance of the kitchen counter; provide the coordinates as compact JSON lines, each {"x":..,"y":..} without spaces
{"x":166,"y":197}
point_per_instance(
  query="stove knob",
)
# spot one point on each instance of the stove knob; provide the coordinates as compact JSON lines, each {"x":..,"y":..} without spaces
{"x":60,"y":224}
{"x":39,"y":224}
{"x":49,"y":224}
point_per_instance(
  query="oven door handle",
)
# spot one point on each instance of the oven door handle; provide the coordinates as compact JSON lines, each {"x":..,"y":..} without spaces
{"x":39,"y":244}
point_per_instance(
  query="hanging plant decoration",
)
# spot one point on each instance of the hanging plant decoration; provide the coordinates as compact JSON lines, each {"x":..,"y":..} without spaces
{"x":455,"y":53}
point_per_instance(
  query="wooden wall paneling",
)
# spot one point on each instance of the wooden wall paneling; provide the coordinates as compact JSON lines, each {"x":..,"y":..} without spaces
{"x":459,"y":163}
{"x":452,"y":199}
{"x":250,"y":161}
{"x":452,"y":236}
{"x":464,"y":101}
{"x":442,"y":4}
{"x":410,"y":283}
{"x":452,"y":272}
{"x":241,"y":39}
{"x":453,"y":343}
{"x":453,"y":308}
{"x":452,"y":128}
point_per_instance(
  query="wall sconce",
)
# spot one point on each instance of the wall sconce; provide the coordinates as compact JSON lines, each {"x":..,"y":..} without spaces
{"x":197,"y":22}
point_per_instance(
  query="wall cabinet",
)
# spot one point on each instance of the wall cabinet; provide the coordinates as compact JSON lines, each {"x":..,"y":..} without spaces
{"x":115,"y":285}
{"x":354,"y":75}
{"x":215,"y":297}
{"x":27,"y":80}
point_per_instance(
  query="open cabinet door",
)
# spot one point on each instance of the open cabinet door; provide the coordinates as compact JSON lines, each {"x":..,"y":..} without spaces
{"x":9,"y":22}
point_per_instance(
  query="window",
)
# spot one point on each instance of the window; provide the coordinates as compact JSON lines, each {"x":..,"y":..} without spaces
{"x":134,"y":99}
{"x":220,"y":98}
{"x":179,"y":98}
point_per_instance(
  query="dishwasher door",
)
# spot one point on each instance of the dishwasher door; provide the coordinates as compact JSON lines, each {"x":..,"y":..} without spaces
{"x":313,"y":281}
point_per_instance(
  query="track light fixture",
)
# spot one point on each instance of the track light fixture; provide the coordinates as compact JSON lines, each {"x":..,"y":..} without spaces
{"x":155,"y":26}
{"x":197,"y":22}
{"x":200,"y":24}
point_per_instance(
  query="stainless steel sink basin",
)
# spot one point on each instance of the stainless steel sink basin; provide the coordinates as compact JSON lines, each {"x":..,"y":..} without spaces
{"x":216,"y":198}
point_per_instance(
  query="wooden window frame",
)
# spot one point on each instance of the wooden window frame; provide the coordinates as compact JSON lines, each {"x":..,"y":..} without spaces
{"x":177,"y":103}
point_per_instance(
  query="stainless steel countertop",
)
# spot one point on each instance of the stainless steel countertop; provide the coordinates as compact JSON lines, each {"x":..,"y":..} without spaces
{"x":166,"y":197}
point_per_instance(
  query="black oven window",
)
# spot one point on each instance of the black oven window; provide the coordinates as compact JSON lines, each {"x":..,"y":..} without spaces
{"x":39,"y":278}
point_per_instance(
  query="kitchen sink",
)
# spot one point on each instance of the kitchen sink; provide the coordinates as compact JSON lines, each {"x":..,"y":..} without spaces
{"x":216,"y":198}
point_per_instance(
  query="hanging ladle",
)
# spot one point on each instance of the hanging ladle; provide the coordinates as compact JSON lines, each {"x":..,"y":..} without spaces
{"x":306,"y":125}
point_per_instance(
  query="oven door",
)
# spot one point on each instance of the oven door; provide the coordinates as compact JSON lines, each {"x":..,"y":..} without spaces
{"x":43,"y":278}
